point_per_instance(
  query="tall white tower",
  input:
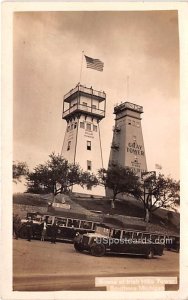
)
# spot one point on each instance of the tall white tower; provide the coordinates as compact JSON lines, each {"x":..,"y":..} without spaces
{"x":127,"y":147}
{"x":83,"y":109}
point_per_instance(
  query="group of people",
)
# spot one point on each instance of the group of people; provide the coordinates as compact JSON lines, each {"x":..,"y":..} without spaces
{"x":29,"y":229}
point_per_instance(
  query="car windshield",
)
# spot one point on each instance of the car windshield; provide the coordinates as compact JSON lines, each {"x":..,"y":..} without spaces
{"x":103,"y":230}
{"x":34,"y":216}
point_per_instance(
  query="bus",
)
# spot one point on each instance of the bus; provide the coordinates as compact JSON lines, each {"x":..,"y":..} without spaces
{"x":67,"y":228}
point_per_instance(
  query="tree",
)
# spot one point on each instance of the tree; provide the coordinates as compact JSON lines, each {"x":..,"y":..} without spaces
{"x":58,"y":176}
{"x":120,"y":180}
{"x":159,"y":192}
{"x":154,"y":192}
{"x":19,"y":169}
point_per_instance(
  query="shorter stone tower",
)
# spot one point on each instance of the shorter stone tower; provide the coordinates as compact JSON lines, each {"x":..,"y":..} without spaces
{"x":127,"y":147}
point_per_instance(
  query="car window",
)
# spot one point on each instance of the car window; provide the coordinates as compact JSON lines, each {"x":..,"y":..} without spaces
{"x":154,"y":237}
{"x":116,"y":234}
{"x":70,"y":223}
{"x":107,"y":231}
{"x":32,"y":215}
{"x":137,"y":235}
{"x":146,"y":236}
{"x":111,"y":232}
{"x":162,"y":238}
{"x":95,"y":225}
{"x":102,"y":230}
{"x":127,"y":235}
{"x":61,"y":222}
{"x":76,"y":223}
{"x":49,"y":220}
{"x":86,"y":225}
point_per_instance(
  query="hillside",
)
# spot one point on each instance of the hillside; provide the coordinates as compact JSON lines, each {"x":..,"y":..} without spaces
{"x":126,"y":213}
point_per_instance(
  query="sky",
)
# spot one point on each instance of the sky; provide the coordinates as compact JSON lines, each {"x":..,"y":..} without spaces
{"x":47,"y":57}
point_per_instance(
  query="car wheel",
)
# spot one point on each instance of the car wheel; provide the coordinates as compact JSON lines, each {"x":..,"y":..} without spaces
{"x":98,"y":250}
{"x":150,"y":254}
{"x":23,"y":233}
{"x":78,"y":247}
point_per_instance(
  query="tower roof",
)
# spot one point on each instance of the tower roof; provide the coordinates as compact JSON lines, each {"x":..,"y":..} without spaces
{"x":80,"y":89}
{"x":128,"y":105}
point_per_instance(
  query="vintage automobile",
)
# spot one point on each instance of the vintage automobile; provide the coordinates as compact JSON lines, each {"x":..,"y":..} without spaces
{"x":36,"y":228}
{"x":173,"y":243}
{"x":67,"y":227}
{"x":107,"y":239}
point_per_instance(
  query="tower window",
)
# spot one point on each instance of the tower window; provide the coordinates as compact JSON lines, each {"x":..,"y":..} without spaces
{"x":68,"y":146}
{"x":129,"y":122}
{"x":89,"y":165}
{"x":88,"y":145}
{"x":89,"y":188}
{"x":82,"y":125}
{"x":94,"y":128}
{"x":88,"y":126}
{"x":75,"y":125}
{"x":84,"y":103}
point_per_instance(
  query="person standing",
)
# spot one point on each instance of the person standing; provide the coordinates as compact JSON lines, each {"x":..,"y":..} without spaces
{"x":16,"y":226}
{"x":29,"y":227}
{"x":54,"y":232}
{"x":43,"y":234}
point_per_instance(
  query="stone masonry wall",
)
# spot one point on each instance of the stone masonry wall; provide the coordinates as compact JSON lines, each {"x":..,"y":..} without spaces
{"x":22,"y":209}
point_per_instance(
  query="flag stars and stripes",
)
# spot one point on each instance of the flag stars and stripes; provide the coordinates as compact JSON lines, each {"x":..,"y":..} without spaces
{"x":93,"y":63}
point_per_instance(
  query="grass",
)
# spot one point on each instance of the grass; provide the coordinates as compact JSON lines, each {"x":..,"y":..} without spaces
{"x":125,"y":208}
{"x":29,"y":199}
{"x":104,"y":205}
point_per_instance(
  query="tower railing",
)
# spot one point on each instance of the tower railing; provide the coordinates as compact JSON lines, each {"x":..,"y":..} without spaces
{"x":84,"y":108}
{"x":86,"y":90}
{"x":128,"y":105}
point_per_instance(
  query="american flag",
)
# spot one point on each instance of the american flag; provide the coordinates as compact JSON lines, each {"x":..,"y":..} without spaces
{"x":93,"y":63}
{"x":157,"y":166}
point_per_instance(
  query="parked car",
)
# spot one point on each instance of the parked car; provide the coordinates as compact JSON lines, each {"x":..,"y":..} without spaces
{"x":172,"y":243}
{"x":107,"y":239}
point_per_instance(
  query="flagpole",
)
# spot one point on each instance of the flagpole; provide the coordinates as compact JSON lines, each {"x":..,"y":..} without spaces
{"x":81,"y":67}
{"x":127,"y":87}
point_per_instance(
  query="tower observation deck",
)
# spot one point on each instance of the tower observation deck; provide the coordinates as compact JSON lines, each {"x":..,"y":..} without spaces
{"x":86,"y":101}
